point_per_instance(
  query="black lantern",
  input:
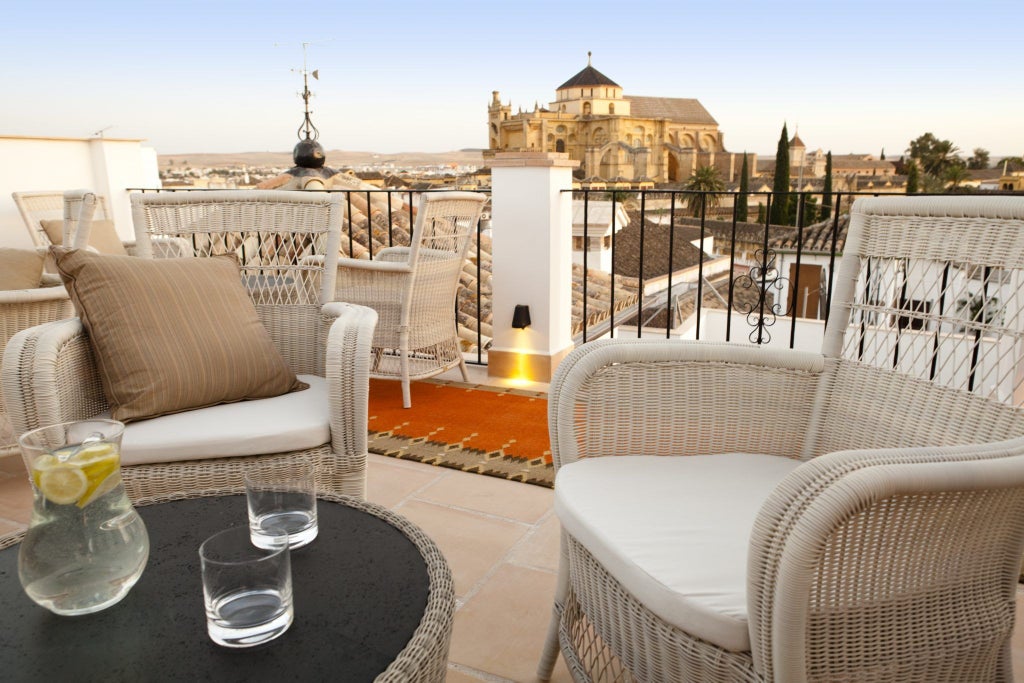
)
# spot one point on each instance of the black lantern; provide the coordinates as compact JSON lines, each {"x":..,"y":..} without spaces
{"x":521,"y":317}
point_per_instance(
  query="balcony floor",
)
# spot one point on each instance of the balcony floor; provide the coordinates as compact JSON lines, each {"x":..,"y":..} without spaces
{"x":500,"y":538}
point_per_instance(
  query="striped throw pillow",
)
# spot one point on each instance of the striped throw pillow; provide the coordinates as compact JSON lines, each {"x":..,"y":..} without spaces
{"x":171,"y":335}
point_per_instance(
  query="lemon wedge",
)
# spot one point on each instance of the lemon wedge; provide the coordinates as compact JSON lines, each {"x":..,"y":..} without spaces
{"x":100,"y":489}
{"x":99,"y":463}
{"x":63,"y":484}
{"x":96,"y":461}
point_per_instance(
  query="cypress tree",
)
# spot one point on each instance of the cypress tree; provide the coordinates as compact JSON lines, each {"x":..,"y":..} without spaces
{"x":912,"y":177}
{"x":826,"y":195}
{"x":741,"y":201}
{"x":760,"y":212}
{"x":780,"y":187}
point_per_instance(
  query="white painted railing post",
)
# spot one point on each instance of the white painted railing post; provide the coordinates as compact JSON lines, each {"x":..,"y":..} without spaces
{"x":531,"y":218}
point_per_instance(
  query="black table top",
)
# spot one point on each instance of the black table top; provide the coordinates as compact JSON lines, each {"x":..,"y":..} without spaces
{"x":360,"y":590}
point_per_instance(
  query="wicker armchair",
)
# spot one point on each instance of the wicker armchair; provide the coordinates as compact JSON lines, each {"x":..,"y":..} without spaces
{"x":19,"y":310}
{"x":413,"y":291}
{"x":78,"y":209}
{"x":854,"y":515}
{"x":287,"y":245}
{"x":36,"y":207}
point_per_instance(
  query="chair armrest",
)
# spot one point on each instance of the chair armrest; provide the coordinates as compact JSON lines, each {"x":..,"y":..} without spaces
{"x":50,"y":376}
{"x":670,"y":397}
{"x":393,"y":254}
{"x":371,"y":283}
{"x":21,"y":309}
{"x":162,"y":247}
{"x":375,"y":265}
{"x":841,"y":505}
{"x":349,"y":340}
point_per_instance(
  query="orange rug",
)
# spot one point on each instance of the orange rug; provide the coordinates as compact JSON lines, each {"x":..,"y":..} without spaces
{"x":476,"y":428}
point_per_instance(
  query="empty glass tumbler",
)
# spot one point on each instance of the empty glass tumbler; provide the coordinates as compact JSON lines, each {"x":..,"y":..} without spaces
{"x":86,"y":546}
{"x":281,"y":500}
{"x":247,"y":590}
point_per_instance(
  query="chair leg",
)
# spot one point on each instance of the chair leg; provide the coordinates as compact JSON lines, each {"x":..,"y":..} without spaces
{"x":462,"y":367}
{"x":403,"y":360}
{"x":549,"y":655}
{"x":406,"y":394}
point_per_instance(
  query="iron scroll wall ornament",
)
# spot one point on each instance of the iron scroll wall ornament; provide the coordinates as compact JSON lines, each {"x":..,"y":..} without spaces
{"x":763,"y":312}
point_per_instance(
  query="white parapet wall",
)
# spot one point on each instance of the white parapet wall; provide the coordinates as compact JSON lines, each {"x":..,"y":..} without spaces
{"x":107,"y":166}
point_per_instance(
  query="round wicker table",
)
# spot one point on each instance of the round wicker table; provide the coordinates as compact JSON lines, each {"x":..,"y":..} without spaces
{"x":373,"y":601}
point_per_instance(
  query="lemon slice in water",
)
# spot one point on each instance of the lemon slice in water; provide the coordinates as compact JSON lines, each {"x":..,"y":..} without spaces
{"x":99,"y":463}
{"x":63,"y":484}
{"x":43,"y":462}
{"x":100,"y":489}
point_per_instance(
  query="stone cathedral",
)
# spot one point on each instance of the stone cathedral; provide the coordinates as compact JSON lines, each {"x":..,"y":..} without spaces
{"x":615,"y":136}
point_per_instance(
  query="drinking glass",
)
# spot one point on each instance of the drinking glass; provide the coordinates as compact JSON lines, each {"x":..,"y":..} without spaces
{"x":281,"y":500}
{"x":247,"y":590}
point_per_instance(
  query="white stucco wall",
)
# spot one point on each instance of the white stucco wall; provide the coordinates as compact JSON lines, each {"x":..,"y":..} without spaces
{"x":105,"y":165}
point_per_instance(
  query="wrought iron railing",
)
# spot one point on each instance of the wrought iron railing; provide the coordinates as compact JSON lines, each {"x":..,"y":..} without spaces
{"x":756,"y":288}
{"x":743,"y":276}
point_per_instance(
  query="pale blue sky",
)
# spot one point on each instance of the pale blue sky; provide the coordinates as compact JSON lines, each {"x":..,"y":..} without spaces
{"x":215,"y":76}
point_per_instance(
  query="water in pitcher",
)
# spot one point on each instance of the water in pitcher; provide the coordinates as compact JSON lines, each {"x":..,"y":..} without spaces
{"x":86,"y":546}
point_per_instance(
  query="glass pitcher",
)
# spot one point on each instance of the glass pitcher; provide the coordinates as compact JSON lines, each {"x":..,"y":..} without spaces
{"x":86,"y":546}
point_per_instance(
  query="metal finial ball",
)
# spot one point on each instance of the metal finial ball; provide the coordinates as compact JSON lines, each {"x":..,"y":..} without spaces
{"x":309,"y":154}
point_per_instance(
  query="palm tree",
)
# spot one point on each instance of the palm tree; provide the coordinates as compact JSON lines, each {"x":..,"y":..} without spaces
{"x":955,"y":175}
{"x":704,"y":180}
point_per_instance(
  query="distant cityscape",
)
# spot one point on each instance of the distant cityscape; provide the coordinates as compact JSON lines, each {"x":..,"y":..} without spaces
{"x":627,"y":142}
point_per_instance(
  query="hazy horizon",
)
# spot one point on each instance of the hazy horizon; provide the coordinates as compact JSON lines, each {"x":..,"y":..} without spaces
{"x":217,"y":77}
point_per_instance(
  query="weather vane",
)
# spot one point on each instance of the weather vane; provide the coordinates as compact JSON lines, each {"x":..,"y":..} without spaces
{"x":307,"y":124}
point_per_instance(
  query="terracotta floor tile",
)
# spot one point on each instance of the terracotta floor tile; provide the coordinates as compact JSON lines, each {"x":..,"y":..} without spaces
{"x":472,"y":544}
{"x":501,"y":628}
{"x":16,"y":499}
{"x":390,"y":483}
{"x":540,"y":547}
{"x":491,"y":495}
{"x":13,"y":464}
{"x":8,"y":525}
{"x":456,"y":676}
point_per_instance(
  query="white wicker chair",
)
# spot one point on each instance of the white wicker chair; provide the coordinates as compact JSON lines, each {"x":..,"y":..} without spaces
{"x":19,"y":310}
{"x":413,"y":290}
{"x":854,"y":515}
{"x":287,"y":244}
{"x":78,"y":209}
{"x":36,"y":207}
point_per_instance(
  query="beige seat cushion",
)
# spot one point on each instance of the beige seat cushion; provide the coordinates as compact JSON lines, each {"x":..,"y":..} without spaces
{"x":102,"y":236}
{"x":674,"y":531}
{"x":297,"y":421}
{"x":20,"y":268}
{"x":172,"y":334}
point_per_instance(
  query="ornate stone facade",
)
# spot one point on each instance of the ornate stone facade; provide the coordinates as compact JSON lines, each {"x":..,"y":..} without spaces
{"x":615,"y":136}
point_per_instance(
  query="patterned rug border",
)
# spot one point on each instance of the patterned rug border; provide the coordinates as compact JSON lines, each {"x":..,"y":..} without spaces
{"x":486,"y":387}
{"x":439,"y":454}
